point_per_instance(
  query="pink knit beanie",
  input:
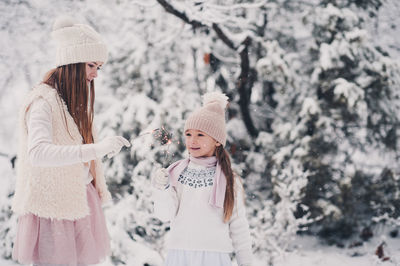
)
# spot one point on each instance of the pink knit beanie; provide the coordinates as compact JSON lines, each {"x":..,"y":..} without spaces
{"x":211,"y":117}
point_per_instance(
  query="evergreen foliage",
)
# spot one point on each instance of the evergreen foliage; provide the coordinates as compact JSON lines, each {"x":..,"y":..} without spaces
{"x":312,"y":123}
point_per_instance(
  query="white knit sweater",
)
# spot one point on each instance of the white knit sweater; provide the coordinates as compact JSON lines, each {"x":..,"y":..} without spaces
{"x":41,"y":150}
{"x":195,"y":224}
{"x":54,"y":191}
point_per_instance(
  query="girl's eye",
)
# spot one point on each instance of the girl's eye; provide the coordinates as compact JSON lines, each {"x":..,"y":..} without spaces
{"x":188,"y":135}
{"x":98,"y":68}
{"x":200,"y":135}
{"x":90,"y":65}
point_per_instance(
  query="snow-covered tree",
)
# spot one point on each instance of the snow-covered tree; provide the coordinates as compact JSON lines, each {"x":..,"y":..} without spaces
{"x":312,"y":121}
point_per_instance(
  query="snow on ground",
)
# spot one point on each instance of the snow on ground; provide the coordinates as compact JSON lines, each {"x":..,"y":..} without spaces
{"x":311,"y":252}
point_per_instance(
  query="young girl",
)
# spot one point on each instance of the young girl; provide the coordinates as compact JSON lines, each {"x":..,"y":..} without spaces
{"x":202,"y":197}
{"x":60,"y":183}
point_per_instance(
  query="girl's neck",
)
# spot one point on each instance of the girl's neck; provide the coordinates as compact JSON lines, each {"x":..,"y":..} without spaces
{"x":205,"y":162}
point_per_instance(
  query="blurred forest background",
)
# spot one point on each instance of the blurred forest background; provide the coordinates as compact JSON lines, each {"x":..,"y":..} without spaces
{"x":313,"y":120}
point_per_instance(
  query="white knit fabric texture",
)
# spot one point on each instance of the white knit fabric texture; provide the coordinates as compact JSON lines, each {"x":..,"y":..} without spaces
{"x":77,"y":43}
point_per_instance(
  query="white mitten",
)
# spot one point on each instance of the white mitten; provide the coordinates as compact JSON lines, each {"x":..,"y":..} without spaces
{"x":244,"y":257}
{"x":110,"y":146}
{"x":160,"y":179}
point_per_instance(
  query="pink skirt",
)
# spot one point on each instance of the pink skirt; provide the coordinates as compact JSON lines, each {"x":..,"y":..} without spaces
{"x":46,"y":241}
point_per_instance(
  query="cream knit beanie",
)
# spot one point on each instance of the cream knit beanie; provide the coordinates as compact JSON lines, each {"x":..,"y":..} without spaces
{"x":77,"y":43}
{"x":211,"y":117}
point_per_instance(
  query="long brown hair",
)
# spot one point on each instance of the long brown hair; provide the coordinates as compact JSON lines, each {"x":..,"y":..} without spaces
{"x":225,"y":163}
{"x":70,"y":83}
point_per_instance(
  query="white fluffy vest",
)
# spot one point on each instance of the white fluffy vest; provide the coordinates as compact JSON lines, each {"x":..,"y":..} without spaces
{"x":53,"y":192}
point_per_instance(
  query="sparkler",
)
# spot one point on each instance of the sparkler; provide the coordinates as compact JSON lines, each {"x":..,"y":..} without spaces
{"x":150,"y":132}
{"x":164,"y":137}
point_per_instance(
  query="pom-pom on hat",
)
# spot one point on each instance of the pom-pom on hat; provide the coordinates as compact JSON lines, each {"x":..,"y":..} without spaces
{"x":210,"y":118}
{"x":77,"y":43}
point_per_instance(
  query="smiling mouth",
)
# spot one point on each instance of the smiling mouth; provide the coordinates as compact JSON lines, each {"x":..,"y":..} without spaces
{"x":195,"y":149}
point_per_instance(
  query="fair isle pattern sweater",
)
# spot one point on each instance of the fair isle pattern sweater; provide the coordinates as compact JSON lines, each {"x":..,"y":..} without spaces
{"x":53,"y":192}
{"x":195,"y":224}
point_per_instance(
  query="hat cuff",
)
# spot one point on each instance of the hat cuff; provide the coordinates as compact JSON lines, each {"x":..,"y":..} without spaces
{"x":96,"y":52}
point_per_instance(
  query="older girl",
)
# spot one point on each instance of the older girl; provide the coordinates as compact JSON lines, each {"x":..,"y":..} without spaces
{"x":60,"y":183}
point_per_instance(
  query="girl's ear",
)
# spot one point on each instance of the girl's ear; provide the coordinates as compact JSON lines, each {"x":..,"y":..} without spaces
{"x":217,"y":144}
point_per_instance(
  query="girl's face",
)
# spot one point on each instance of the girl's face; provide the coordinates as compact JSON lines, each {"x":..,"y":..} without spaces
{"x":91,"y":70}
{"x":199,"y":144}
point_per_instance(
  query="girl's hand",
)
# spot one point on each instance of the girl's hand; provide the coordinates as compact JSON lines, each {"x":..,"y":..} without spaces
{"x":110,"y":146}
{"x":160,"y":179}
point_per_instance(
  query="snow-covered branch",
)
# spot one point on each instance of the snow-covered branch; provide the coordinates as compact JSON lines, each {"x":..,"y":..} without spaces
{"x":237,"y":6}
{"x":171,"y":9}
{"x":245,"y":80}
